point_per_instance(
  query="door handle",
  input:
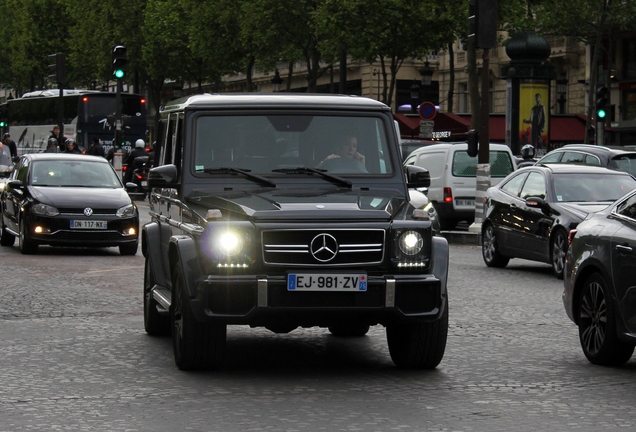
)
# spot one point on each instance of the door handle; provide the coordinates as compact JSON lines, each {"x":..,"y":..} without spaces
{"x":624,"y":249}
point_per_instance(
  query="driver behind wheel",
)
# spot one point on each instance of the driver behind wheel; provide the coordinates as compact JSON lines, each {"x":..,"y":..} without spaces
{"x":348,"y":149}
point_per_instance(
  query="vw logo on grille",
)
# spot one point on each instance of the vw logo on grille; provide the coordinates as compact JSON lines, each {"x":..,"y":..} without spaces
{"x":88,"y":211}
{"x":324,"y":247}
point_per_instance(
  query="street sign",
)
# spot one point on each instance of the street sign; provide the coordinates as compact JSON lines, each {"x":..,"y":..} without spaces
{"x":427,"y":110}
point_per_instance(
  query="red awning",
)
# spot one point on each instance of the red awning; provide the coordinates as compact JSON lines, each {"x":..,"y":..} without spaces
{"x":563,"y":128}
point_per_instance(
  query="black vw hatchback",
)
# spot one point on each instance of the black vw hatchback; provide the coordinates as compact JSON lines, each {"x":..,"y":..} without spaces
{"x":67,"y":200}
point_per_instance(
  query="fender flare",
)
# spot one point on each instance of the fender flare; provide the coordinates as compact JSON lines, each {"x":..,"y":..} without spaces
{"x":439,"y":266}
{"x":183,"y":252}
{"x":151,"y":250}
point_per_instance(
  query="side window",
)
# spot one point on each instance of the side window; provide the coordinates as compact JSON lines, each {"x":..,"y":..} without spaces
{"x":410,"y":160}
{"x":534,"y":186}
{"x":22,"y":170}
{"x":628,"y":208}
{"x":500,"y":164}
{"x":464,"y":165}
{"x":177,"y":141}
{"x":592,"y":160}
{"x":513,"y":185}
{"x":573,"y":157}
{"x":552,"y":157}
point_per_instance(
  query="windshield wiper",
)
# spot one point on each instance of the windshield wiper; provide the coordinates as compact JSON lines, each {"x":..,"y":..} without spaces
{"x":246,"y":173}
{"x":323,"y":173}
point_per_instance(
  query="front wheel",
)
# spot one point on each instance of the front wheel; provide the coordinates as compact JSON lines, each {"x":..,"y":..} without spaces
{"x":419,"y":345}
{"x":558,"y":250}
{"x":196,"y":345}
{"x":490,"y":248}
{"x":597,"y":325}
{"x":27,"y":247}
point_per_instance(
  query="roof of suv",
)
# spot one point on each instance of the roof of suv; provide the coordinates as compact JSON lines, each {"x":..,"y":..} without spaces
{"x":282,"y":100}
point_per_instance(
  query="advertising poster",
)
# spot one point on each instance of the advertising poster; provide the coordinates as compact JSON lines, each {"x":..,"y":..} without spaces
{"x":533,"y":115}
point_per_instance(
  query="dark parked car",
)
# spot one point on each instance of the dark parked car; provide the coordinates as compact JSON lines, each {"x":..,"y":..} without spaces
{"x":620,"y":158}
{"x":65,"y":199}
{"x":600,"y":294}
{"x":530,"y":213}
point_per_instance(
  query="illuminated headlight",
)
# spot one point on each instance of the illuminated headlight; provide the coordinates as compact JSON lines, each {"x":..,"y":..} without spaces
{"x":228,"y":243}
{"x":126,"y":211}
{"x":45,"y":210}
{"x":411,"y":243}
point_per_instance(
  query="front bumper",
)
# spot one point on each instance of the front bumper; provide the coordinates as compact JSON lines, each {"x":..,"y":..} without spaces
{"x":265,"y":300}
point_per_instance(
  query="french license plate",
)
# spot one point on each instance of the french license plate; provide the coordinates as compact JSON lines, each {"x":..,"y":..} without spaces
{"x":326,"y":282}
{"x":88,"y":224}
{"x":464,"y":203}
{"x":144,"y":183}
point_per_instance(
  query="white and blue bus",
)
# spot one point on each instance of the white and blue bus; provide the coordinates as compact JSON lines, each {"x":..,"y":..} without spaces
{"x":31,"y":118}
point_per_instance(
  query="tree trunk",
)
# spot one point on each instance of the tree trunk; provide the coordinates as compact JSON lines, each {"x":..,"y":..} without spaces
{"x":473,"y":85}
{"x":451,"y":80}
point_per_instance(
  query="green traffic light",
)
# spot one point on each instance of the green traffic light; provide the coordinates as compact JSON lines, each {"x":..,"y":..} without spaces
{"x":119,"y":73}
{"x":601,"y":113}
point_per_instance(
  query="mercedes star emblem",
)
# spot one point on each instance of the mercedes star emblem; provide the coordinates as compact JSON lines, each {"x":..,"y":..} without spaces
{"x":324,"y":247}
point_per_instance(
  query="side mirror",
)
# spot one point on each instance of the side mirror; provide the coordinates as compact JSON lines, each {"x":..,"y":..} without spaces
{"x":540,"y":203}
{"x":15,"y":184}
{"x":417,"y":177}
{"x":163,"y":176}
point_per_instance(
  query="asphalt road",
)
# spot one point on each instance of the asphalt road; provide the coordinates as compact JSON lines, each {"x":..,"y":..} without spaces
{"x":75,"y":358}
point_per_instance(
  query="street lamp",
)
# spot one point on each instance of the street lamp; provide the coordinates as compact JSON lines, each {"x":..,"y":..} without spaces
{"x":277,"y":82}
{"x":562,"y":89}
{"x":415,"y":96}
{"x":426,"y":75}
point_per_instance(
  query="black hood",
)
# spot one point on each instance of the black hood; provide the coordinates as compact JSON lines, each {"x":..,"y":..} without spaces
{"x":72,"y":197}
{"x":308,"y":204}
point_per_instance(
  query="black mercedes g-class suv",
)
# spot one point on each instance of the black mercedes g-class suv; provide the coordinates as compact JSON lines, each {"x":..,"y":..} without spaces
{"x":282,"y":211}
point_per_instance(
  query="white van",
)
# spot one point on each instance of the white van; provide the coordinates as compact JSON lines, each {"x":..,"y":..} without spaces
{"x":453,"y":177}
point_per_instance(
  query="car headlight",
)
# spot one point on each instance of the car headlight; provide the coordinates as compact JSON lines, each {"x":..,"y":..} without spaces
{"x":228,"y":246}
{"x":126,"y":211}
{"x":411,"y":243}
{"x":45,"y":210}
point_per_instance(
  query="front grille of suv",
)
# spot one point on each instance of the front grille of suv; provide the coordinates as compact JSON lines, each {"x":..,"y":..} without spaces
{"x":319,"y":247}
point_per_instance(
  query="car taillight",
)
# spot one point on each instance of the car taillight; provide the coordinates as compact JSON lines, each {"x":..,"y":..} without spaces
{"x":448,"y":195}
{"x":124,"y":167}
{"x":571,"y":236}
{"x":139,"y":176}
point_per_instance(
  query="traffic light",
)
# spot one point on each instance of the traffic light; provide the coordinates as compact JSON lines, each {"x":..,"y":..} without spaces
{"x":58,"y":67}
{"x":482,"y":23}
{"x":472,"y":138}
{"x":119,"y":61}
{"x":601,"y":103}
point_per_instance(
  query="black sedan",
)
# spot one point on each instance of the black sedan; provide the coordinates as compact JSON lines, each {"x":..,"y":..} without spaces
{"x":600,"y":286}
{"x":64,"y":199}
{"x":530,"y":213}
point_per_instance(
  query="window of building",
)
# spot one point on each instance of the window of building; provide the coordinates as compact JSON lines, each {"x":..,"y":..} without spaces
{"x":462,"y":94}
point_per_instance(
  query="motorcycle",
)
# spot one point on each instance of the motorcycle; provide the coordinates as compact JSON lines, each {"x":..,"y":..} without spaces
{"x":138,"y":184}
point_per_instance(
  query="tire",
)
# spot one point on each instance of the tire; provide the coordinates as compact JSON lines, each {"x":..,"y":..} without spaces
{"x":490,"y":248}
{"x":155,"y":323}
{"x":558,"y":250}
{"x":196,"y":346}
{"x":420,"y":345}
{"x":27,"y":247}
{"x":129,"y":249}
{"x":597,"y":325}
{"x":6,"y":238}
{"x":349,"y":330}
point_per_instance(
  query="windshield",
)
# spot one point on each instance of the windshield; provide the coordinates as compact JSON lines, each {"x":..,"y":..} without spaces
{"x":5,"y":155}
{"x":56,"y":173}
{"x":591,"y":187}
{"x":264,"y":143}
